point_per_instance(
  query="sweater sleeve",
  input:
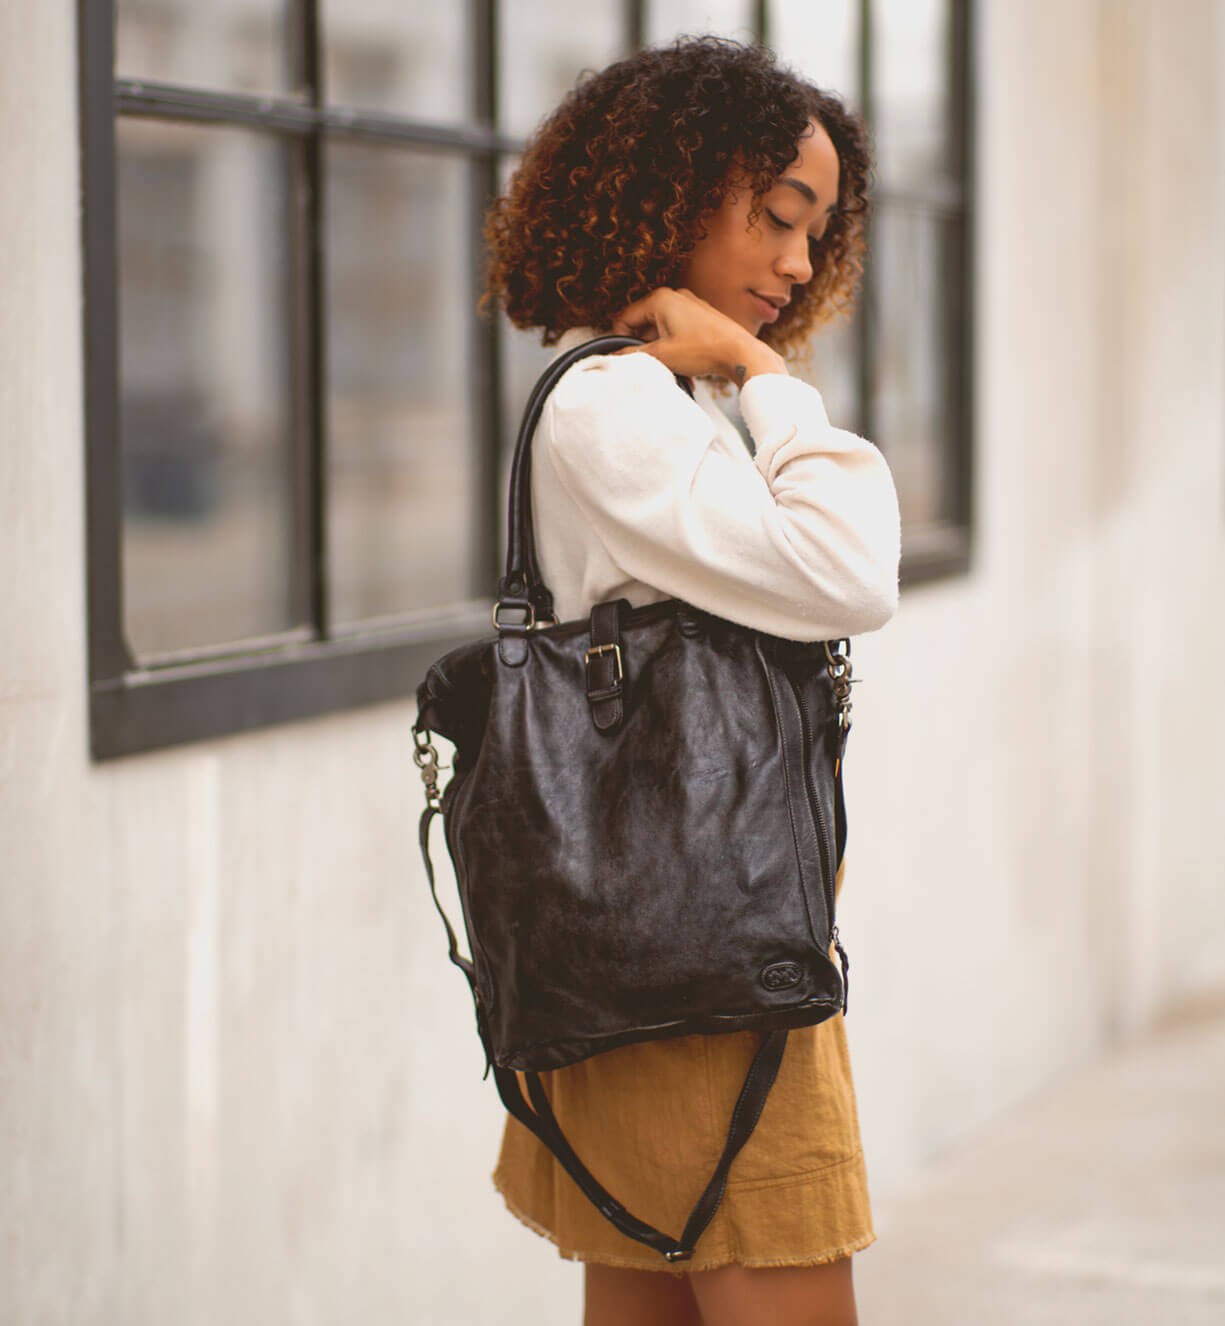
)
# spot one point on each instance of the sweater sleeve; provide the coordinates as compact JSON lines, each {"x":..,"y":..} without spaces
{"x":801,"y":540}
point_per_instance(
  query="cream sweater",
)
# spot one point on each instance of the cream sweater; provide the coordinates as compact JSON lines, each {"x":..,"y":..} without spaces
{"x":642,"y":493}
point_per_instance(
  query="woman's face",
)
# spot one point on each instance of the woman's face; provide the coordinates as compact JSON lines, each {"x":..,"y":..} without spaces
{"x":750,"y":274}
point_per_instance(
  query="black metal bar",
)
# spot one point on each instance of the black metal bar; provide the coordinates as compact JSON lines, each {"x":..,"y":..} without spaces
{"x":301,"y":58}
{"x":280,"y":115}
{"x":761,"y":22}
{"x":485,"y":347}
{"x":965,"y":110}
{"x":635,"y":25}
{"x":167,"y":102}
{"x":151,"y":709}
{"x":298,"y":52}
{"x":108,"y":651}
{"x":298,"y":332}
{"x":314,"y":388}
{"x":485,"y":356}
{"x":868,"y":317}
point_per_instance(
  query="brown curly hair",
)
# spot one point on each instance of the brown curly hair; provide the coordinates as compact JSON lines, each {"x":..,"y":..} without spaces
{"x":614,"y":187}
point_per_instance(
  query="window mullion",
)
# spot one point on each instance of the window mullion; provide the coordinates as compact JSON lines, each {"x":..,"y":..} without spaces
{"x":484,"y":337}
{"x":109,"y":656}
{"x":309,"y":449}
{"x":867,"y":314}
{"x":962,"y":67}
{"x":635,"y":24}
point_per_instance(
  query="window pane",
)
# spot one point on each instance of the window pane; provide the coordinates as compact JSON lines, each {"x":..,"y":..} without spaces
{"x":402,"y":464}
{"x":911,"y":85}
{"x":386,"y":55}
{"x":203,"y":331}
{"x":820,"y":40}
{"x":543,"y":46}
{"x":667,"y":19}
{"x":832,"y":367}
{"x":228,"y":47}
{"x":917,"y":288}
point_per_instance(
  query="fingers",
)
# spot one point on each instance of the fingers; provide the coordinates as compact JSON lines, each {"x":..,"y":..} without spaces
{"x":684,"y":333}
{"x":676,"y":356}
{"x":636,"y":323}
{"x":649,"y":312}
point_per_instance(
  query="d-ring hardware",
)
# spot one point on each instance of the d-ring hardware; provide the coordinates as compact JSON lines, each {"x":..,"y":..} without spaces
{"x":530,"y":625}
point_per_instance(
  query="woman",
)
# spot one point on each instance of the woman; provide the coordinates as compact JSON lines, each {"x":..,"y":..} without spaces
{"x":711,"y":203}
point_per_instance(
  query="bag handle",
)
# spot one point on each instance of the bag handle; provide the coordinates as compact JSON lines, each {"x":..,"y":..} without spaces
{"x":523,"y":587}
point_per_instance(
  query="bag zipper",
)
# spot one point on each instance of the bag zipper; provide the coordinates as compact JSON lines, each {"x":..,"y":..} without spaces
{"x":814,"y":806}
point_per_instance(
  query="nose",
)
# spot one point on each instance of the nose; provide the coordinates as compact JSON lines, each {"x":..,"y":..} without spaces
{"x":794,"y":262}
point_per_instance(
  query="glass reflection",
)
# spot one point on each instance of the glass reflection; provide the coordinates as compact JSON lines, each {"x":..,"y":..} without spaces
{"x":915,"y":390}
{"x":233,"y":47}
{"x":667,"y":19}
{"x":911,"y":85}
{"x":204,"y":409}
{"x":388,"y":56}
{"x":402,"y":474}
{"x":831,"y":364}
{"x":544,"y":45}
{"x":820,"y":40}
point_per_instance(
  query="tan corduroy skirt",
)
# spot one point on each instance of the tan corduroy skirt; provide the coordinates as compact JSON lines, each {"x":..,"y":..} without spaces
{"x":650,"y":1121}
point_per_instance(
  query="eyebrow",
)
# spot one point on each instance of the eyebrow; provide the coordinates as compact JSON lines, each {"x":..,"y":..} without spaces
{"x":803,"y":190}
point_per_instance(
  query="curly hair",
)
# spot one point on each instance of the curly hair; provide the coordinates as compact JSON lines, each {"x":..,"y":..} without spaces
{"x":615,"y":186}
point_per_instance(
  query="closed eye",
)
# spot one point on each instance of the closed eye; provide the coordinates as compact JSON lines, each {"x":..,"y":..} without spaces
{"x":778,"y":221}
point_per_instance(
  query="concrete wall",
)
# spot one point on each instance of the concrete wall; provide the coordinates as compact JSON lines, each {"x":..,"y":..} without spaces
{"x":1035,"y":866}
{"x":239,"y":1082}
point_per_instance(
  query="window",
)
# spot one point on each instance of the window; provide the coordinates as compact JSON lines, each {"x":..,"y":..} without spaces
{"x":298,"y":427}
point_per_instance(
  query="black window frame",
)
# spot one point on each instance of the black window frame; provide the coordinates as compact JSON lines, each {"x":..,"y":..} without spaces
{"x":148,"y":704}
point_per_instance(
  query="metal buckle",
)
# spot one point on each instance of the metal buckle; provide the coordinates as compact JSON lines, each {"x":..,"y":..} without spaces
{"x":425,"y":757}
{"x":618,"y":672}
{"x":531,"y":616}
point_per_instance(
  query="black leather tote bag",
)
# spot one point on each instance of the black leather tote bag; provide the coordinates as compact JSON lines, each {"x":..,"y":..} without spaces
{"x":645,"y":819}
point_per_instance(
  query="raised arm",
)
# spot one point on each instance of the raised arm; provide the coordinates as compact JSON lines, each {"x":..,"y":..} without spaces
{"x":802,"y":541}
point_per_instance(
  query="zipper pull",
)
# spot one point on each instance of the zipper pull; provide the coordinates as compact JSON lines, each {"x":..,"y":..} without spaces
{"x":845,"y":967}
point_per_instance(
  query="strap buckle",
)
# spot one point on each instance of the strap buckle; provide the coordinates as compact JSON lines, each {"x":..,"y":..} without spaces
{"x":615,"y":646}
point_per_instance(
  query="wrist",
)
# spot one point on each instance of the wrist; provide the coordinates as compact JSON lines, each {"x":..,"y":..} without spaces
{"x":747,"y":357}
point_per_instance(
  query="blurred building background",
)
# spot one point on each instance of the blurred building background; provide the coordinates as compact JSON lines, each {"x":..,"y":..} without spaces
{"x":251,"y":484}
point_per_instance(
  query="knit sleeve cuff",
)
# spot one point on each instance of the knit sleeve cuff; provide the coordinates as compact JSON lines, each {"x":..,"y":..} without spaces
{"x":779,"y":408}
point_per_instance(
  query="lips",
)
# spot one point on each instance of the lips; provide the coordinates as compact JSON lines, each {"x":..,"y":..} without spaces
{"x":769,"y":306}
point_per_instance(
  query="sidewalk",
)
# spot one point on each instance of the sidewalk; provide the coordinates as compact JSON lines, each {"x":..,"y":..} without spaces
{"x":1103,"y":1201}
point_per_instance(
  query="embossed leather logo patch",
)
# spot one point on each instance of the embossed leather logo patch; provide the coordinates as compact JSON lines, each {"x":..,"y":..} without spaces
{"x":781,"y":975}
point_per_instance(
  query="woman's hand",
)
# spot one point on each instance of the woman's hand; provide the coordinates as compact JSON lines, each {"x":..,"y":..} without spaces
{"x":691,"y":337}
